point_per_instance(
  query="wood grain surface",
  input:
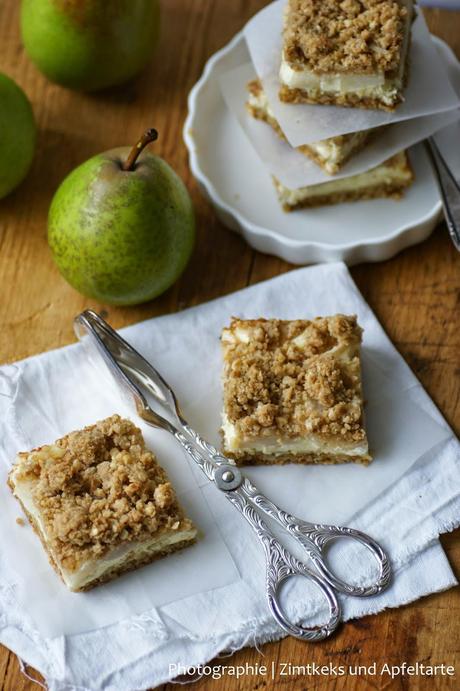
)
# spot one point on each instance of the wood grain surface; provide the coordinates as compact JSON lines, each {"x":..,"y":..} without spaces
{"x":415,"y":296}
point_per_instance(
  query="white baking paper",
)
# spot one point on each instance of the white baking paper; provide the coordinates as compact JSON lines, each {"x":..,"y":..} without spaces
{"x":293,"y":168}
{"x":428,"y":90}
{"x":59,"y":391}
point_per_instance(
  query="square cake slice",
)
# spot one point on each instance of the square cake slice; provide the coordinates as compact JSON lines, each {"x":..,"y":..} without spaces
{"x":330,"y":154}
{"x":350,"y":53}
{"x":389,"y":179}
{"x":292,"y":391}
{"x":100,"y":503}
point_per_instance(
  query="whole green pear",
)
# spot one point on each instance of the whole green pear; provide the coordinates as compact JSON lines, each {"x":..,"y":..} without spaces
{"x":17,"y":135}
{"x":90,"y":44}
{"x":121,"y":226}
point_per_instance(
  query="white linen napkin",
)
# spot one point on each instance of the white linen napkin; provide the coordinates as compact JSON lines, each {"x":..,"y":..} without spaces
{"x":405,"y":499}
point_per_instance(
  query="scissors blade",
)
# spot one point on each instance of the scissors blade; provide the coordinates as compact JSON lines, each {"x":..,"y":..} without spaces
{"x":97,"y":341}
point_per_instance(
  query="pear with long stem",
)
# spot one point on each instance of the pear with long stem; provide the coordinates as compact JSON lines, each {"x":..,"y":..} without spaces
{"x":121,"y":226}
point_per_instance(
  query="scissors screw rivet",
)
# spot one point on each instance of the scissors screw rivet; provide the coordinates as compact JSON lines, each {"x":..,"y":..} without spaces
{"x":227,"y":478}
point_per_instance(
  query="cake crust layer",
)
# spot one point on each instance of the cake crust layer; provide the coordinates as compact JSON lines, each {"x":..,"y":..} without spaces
{"x":394,"y":191}
{"x":398,"y":178}
{"x":244,"y":458}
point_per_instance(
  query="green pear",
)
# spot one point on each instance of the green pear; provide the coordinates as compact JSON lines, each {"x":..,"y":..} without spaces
{"x":121,"y":226}
{"x":17,"y":135}
{"x":89,"y":45}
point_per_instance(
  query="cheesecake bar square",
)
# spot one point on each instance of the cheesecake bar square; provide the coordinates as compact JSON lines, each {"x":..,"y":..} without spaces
{"x":100,"y":503}
{"x":388,"y":180}
{"x":292,"y":391}
{"x":330,"y":154}
{"x":346,"y":53}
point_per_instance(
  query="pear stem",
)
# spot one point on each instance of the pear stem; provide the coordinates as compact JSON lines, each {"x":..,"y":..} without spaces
{"x":148,"y":137}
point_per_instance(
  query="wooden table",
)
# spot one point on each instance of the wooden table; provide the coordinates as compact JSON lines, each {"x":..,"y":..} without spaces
{"x":415,"y":296}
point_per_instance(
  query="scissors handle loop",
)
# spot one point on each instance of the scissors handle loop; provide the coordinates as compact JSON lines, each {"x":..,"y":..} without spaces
{"x":280,"y":566}
{"x":315,"y":538}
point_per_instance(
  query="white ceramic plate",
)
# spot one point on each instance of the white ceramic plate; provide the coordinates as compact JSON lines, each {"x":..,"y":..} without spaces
{"x":241,"y":189}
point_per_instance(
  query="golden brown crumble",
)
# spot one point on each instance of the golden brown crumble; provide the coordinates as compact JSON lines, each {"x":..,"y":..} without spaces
{"x":286,"y":378}
{"x":358,"y":36}
{"x":98,"y":488}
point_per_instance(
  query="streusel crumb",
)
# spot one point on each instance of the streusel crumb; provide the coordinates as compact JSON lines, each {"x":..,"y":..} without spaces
{"x":358,"y":36}
{"x":97,"y":488}
{"x":286,"y":378}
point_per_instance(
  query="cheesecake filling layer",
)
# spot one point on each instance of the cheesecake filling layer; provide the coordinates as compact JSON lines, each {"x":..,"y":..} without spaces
{"x":272,"y":446}
{"x":361,"y":86}
{"x":307,"y":80}
{"x":115,"y":560}
{"x":94,"y":569}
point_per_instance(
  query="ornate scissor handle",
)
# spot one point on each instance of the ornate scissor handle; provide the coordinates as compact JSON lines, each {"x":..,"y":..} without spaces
{"x":315,"y":538}
{"x":282,"y":565}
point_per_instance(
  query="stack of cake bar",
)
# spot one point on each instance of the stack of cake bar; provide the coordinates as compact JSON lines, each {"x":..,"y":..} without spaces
{"x":347,"y":53}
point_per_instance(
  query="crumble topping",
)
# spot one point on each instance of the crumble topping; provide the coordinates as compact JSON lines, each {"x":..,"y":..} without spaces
{"x":97,"y":488}
{"x":254,"y":86}
{"x":360,"y":36}
{"x":286,"y":378}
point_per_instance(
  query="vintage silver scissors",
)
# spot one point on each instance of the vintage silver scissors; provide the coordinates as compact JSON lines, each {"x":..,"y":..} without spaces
{"x":135,"y":375}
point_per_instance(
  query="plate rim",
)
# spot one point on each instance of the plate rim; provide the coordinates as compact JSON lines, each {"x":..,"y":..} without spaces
{"x":408,"y":234}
